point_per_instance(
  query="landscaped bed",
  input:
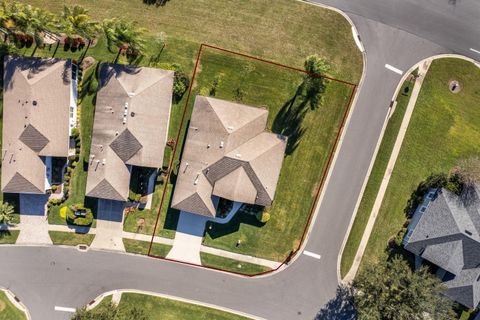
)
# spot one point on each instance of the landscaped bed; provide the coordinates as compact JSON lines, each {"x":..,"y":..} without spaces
{"x":445,"y":128}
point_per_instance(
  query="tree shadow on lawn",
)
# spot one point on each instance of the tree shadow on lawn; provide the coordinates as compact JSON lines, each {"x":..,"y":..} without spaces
{"x":288,"y":121}
{"x":341,"y":307}
{"x":217,"y":230}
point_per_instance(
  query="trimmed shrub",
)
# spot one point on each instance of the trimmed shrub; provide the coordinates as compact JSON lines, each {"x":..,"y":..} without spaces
{"x":75,"y":133}
{"x":66,"y":178}
{"x":74,"y":164}
{"x":54,"y":188}
{"x":79,"y":221}
{"x":263,"y":217}
{"x":72,"y":157}
{"x":180,"y":85}
{"x":63,"y":212}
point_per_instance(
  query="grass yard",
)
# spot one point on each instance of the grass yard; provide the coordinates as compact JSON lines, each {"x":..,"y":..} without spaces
{"x":9,"y":236}
{"x":311,"y":138}
{"x":375,"y":178}
{"x":444,"y":128}
{"x":286,"y":32}
{"x":70,"y":238}
{"x":8,"y":311}
{"x":158,"y":308}
{"x":227,"y":264}
{"x":141,"y":247}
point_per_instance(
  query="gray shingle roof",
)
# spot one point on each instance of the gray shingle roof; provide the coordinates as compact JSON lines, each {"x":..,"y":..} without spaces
{"x":33,"y":138}
{"x":126,"y":145}
{"x":448,"y":235}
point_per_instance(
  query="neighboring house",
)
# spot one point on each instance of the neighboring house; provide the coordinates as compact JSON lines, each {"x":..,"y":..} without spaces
{"x":227,"y":155}
{"x":39,"y":111}
{"x":130,"y":128}
{"x":445,"y":230}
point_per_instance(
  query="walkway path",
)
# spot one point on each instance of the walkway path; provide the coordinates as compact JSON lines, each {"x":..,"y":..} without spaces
{"x":423,"y":68}
{"x":188,"y":238}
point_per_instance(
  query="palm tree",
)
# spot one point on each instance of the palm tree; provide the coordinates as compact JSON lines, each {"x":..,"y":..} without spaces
{"x":77,"y":22}
{"x":125,"y":35}
{"x":6,"y":211}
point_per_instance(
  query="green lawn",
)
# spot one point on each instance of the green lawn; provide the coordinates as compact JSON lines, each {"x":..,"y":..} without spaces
{"x":311,"y":138}
{"x":8,"y":311}
{"x":166,"y":309}
{"x":444,"y":128}
{"x":70,"y":238}
{"x":9,"y":236}
{"x":375,"y":179}
{"x":227,"y":264}
{"x":286,"y":32}
{"x":141,"y":247}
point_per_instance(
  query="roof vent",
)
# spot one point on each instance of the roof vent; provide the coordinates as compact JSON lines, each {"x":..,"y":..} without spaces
{"x":104,"y":161}
{"x":238,"y":155}
{"x":230,"y":128}
{"x":208,"y":146}
{"x":34,"y":102}
{"x":131,"y":94}
{"x":221,"y":144}
{"x":132,"y":114}
{"x":196,"y":179}
{"x":468,"y":232}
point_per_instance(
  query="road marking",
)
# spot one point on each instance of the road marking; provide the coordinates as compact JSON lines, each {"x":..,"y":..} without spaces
{"x":476,"y":51}
{"x":72,"y":310}
{"x":311,"y":254}
{"x":392,"y":68}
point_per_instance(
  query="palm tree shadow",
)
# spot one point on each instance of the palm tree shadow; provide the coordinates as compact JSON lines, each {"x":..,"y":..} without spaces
{"x":341,"y":307}
{"x":288,"y":121}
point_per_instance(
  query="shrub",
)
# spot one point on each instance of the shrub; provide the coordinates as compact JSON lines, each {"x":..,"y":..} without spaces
{"x":79,"y":221}
{"x":180,"y":85}
{"x":63,"y":212}
{"x":54,"y":188}
{"x":69,"y":169}
{"x":74,"y":164}
{"x":75,"y":133}
{"x":134,"y":197}
{"x":66,"y":178}
{"x":263,"y":217}
{"x":72,"y":157}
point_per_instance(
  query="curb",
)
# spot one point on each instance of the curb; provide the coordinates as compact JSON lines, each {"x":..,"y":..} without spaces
{"x":344,"y":130}
{"x":354,"y":267}
{"x":98,"y":299}
{"x":16,"y":302}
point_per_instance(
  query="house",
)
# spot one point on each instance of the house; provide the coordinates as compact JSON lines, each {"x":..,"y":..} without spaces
{"x":445,"y":230}
{"x":228,"y":155}
{"x":39,"y":113}
{"x":130,"y":128}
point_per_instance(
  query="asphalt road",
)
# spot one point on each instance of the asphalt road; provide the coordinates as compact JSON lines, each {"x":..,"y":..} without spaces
{"x":394,"y":32}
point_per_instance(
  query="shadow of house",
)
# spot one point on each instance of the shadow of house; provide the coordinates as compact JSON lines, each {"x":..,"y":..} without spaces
{"x":341,"y":307}
{"x":216,"y":230}
{"x":288,"y":122}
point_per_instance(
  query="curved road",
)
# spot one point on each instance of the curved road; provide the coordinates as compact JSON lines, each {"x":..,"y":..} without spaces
{"x":394,"y":32}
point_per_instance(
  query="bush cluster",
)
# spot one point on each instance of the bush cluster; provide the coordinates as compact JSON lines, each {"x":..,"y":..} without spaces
{"x":79,"y":221}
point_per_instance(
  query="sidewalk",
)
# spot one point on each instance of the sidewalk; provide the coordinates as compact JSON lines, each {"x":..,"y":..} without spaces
{"x":388,"y":172}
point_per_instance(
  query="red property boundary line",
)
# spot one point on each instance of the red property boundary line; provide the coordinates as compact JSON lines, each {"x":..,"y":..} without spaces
{"x":322,"y":180}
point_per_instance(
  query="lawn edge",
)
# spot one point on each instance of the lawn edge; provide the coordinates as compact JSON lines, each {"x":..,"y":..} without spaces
{"x":18,"y":304}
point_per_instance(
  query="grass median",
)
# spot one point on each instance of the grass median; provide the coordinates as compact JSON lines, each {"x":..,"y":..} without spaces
{"x":70,"y":238}
{"x":375,"y":179}
{"x":444,"y":128}
{"x":9,"y":236}
{"x":214,"y":261}
{"x":8,"y":311}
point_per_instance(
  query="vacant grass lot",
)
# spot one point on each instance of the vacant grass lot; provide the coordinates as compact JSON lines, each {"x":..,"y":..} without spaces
{"x":286,"y":32}
{"x":231,"y":264}
{"x":70,"y":238}
{"x":166,"y":309}
{"x":8,"y":311}
{"x":444,"y":128}
{"x":9,"y":236}
{"x":141,"y":247}
{"x":375,"y":178}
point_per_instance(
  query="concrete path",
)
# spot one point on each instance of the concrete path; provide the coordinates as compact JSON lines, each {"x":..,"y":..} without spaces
{"x":388,"y":172}
{"x":33,"y":230}
{"x":188,"y":238}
